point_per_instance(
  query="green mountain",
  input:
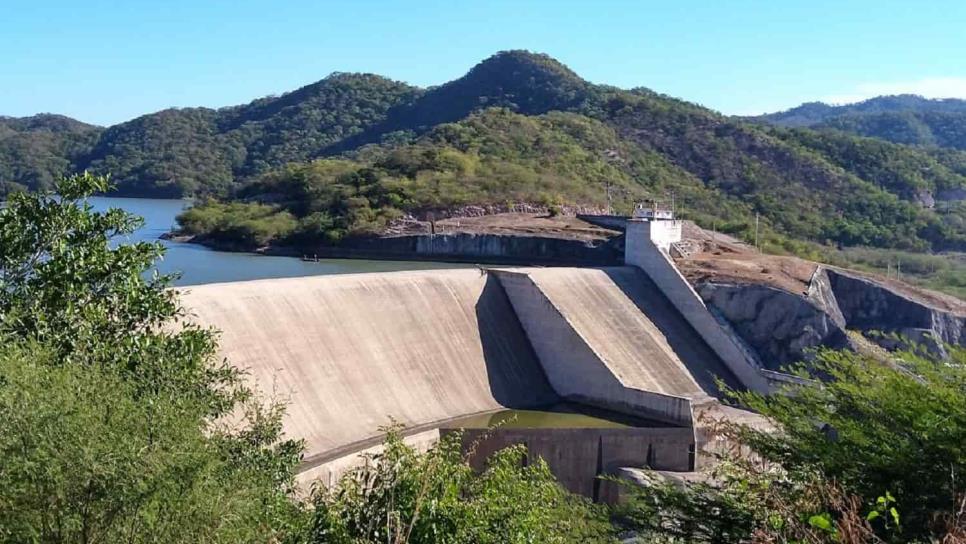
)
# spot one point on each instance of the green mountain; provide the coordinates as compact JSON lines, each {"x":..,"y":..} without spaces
{"x":517,"y":127}
{"x":813,"y":113}
{"x":914,"y":128}
{"x":197,"y":150}
{"x":903,"y":119}
{"x":35,"y":150}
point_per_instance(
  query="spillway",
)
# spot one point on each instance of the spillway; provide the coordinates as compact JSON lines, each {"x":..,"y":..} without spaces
{"x":636,"y":330}
{"x":609,"y":336}
{"x":351,"y":353}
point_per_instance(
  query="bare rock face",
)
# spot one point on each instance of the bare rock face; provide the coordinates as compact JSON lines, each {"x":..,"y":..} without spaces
{"x":870,"y":306}
{"x":925,"y":199}
{"x":783,"y":327}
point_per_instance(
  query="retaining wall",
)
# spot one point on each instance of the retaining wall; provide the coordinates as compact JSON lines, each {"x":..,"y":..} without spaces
{"x":613,"y":222}
{"x":480,"y":248}
{"x":577,"y":457}
{"x":645,"y":253}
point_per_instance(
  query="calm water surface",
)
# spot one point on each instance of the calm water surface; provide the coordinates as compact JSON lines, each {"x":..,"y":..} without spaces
{"x":198,"y":264}
{"x":559,"y":416}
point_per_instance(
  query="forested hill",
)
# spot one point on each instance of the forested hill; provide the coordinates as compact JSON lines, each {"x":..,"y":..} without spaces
{"x":904,"y":119}
{"x":35,"y":150}
{"x":518,"y":126}
{"x":813,"y":113}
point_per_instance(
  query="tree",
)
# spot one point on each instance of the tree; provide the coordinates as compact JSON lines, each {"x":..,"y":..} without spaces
{"x":115,"y":410}
{"x":877,"y":429}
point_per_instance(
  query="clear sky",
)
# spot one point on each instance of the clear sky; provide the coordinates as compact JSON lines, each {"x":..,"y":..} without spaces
{"x":105,"y":62}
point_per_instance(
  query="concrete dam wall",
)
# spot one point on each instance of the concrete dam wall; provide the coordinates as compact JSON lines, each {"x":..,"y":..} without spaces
{"x":353,"y":352}
{"x":608,"y":337}
{"x":479,"y":248}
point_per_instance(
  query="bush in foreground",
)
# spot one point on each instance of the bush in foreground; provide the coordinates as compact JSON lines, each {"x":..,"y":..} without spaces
{"x":874,"y":452}
{"x":404,"y":496}
{"x":112,"y":410}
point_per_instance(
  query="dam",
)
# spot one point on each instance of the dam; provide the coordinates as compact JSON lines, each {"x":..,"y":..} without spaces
{"x":352,"y":354}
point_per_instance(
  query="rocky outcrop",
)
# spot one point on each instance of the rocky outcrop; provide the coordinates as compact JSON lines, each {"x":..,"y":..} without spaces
{"x":784,"y":327}
{"x":869,"y":306}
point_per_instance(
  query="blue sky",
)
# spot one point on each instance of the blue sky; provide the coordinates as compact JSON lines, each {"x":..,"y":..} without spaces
{"x":106,"y":62}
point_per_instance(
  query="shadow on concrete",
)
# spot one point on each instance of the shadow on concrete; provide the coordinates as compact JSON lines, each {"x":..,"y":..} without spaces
{"x":516,"y":378}
{"x":703,"y":363}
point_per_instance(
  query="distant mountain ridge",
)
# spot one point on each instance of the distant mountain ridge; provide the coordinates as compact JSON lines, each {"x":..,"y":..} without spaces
{"x":35,"y":150}
{"x":904,"y":119}
{"x":495,"y":134}
{"x":813,"y":113}
{"x":49,"y":122}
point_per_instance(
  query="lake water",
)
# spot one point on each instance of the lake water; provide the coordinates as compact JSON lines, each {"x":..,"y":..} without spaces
{"x":198,"y":264}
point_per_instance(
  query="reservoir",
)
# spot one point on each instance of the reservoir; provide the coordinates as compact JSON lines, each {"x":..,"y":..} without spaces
{"x":198,"y":264}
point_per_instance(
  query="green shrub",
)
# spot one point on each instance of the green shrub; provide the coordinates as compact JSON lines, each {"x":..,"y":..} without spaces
{"x":403,"y":496}
{"x":113,"y":407}
{"x":865,"y":450}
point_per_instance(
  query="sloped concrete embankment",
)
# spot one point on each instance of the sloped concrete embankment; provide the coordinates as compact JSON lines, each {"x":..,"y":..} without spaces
{"x":352,"y":353}
{"x":607,"y":337}
{"x":647,"y":248}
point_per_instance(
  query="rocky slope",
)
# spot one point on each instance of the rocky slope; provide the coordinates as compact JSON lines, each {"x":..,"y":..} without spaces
{"x":783,"y":308}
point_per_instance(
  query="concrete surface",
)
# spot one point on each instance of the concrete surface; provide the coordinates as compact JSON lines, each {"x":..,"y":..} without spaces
{"x":570,"y":355}
{"x":351,"y":352}
{"x":329,"y":472}
{"x":578,"y":456}
{"x":518,"y":249}
{"x":607,"y":336}
{"x":648,"y":255}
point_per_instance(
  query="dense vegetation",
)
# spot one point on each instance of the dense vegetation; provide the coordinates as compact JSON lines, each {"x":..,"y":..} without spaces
{"x":924,"y":129}
{"x":557,"y":158}
{"x":902,"y":119}
{"x":495,"y":157}
{"x":35,"y":151}
{"x":873,"y":455}
{"x":813,"y":113}
{"x":403,"y":496}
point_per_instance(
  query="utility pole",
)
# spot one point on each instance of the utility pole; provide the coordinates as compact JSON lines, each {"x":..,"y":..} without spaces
{"x":757,"y":247}
{"x":610,"y":208}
